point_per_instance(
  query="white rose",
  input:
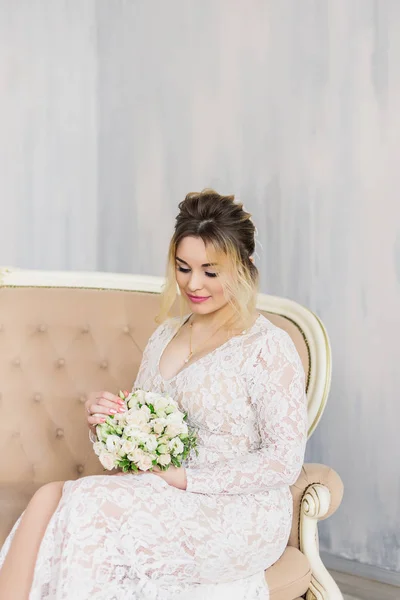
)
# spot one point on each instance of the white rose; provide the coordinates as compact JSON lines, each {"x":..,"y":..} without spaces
{"x":135,"y":398}
{"x":172,"y":407}
{"x":113,"y":443}
{"x":176,"y":446}
{"x":136,"y":455}
{"x":145,"y":463}
{"x":151,"y":397}
{"x":163,"y":449}
{"x":127,"y":447}
{"x":107,"y":459}
{"x":151,"y":443}
{"x":98,"y":448}
{"x":146,"y":411}
{"x":174,"y":429}
{"x":175,"y":417}
{"x":145,"y":428}
{"x":158,"y":425}
{"x":131,"y":431}
{"x":136,"y":417}
{"x":140,"y":396}
{"x":161,"y":403}
{"x":164,"y":459}
{"x":163,"y":439}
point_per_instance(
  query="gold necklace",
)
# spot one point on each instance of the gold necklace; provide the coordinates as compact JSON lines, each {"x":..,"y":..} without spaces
{"x":191,"y":352}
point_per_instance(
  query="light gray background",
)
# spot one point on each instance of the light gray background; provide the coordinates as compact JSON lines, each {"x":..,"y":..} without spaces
{"x":112,"y":110}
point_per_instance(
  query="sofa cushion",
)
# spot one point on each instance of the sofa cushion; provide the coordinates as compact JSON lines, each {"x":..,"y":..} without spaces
{"x":290,"y":576}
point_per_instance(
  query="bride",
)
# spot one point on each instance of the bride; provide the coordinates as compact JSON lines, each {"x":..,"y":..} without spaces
{"x":211,"y":527}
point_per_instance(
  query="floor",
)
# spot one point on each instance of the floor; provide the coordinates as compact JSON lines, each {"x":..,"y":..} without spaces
{"x":357,"y":588}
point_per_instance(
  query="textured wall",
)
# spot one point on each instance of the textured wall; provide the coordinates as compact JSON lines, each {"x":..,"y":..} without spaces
{"x":110,"y":111}
{"x":48,"y":133}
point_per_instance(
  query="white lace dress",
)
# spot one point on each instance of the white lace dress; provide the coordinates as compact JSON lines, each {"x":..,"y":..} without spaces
{"x":137,"y":538}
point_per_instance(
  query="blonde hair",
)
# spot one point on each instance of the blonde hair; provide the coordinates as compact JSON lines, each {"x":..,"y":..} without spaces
{"x":227,"y":228}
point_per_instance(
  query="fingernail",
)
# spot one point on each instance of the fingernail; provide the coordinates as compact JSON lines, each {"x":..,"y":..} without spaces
{"x":102,"y":420}
{"x":122,"y":409}
{"x":112,"y":411}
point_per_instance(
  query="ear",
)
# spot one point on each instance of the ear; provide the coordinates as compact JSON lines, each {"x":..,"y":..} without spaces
{"x":251,"y":258}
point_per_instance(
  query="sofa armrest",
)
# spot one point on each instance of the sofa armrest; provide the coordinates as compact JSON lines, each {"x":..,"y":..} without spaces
{"x":310,"y":475}
{"x":317,"y":494}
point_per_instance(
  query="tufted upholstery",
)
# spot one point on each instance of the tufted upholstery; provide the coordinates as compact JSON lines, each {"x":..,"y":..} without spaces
{"x":58,"y":343}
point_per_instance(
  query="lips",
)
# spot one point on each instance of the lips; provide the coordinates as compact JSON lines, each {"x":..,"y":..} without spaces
{"x":198,"y":298}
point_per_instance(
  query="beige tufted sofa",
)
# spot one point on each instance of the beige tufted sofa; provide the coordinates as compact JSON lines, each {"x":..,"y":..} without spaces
{"x":64,"y":334}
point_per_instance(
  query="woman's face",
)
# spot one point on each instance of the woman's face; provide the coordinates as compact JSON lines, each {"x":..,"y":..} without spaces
{"x":197,"y":279}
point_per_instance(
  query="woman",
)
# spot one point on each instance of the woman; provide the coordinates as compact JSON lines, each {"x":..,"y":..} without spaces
{"x":210,"y":528}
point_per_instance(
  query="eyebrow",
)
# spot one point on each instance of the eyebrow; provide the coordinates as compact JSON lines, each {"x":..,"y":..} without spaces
{"x":205,"y":264}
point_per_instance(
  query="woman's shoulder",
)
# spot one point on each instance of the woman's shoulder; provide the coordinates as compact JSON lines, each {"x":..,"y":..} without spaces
{"x":263,"y":328}
{"x":267,"y":339}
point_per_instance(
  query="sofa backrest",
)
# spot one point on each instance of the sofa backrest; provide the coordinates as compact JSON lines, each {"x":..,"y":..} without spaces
{"x":65,"y":334}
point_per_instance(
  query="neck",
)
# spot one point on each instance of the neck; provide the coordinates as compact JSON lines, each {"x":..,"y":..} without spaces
{"x":213,"y":319}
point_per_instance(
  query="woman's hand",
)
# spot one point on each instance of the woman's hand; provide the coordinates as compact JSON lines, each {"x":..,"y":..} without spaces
{"x":100,"y":405}
{"x":175,"y":476}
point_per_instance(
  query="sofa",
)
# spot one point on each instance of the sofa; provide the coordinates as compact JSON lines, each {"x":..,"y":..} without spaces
{"x":64,"y":334}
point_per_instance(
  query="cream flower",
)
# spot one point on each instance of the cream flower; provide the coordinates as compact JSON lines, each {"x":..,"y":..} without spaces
{"x":113,"y":443}
{"x":164,"y":459}
{"x":145,"y":463}
{"x":176,"y":446}
{"x":107,"y":459}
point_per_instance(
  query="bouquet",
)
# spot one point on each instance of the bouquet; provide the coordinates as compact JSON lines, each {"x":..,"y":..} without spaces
{"x":151,"y":432}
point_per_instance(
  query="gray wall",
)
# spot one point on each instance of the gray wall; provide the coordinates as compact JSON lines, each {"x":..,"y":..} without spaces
{"x":111,"y":110}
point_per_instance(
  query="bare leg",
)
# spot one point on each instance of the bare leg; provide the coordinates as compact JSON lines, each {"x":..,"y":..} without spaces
{"x":17,"y":572}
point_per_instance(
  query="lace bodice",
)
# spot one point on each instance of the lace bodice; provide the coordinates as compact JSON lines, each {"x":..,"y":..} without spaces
{"x":246,"y":400}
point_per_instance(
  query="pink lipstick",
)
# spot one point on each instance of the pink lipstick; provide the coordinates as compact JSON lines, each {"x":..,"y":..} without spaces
{"x":197,"y":299}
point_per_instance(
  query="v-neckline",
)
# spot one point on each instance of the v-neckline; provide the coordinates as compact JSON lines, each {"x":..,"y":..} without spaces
{"x":170,"y":336}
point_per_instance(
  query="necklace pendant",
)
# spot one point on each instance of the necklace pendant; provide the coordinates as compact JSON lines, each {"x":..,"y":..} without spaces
{"x":188,"y":358}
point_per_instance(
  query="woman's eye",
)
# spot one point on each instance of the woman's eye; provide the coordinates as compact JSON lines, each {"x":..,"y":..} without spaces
{"x":182,"y":270}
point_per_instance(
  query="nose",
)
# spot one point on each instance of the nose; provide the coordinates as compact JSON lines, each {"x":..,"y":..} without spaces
{"x":195,"y":282}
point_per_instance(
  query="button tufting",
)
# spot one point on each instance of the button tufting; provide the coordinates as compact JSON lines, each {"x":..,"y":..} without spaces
{"x":16,"y":362}
{"x":126,"y":329}
{"x":42,"y":328}
{"x":37,"y":397}
{"x":16,"y":434}
{"x":60,"y":362}
{"x":82,"y":398}
{"x":59,"y":432}
{"x":80,"y":468}
{"x":104,"y":364}
{"x":85,"y":329}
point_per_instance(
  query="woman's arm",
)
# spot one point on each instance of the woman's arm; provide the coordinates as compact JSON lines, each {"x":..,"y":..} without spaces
{"x":277,"y":391}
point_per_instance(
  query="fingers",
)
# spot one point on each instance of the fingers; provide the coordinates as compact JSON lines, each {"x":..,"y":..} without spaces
{"x":102,"y":404}
{"x":107,"y":396}
{"x":106,"y":399}
{"x":96,"y":419}
{"x":107,"y":408}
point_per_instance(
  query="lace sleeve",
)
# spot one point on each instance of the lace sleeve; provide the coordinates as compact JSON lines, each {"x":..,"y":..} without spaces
{"x":277,"y":392}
